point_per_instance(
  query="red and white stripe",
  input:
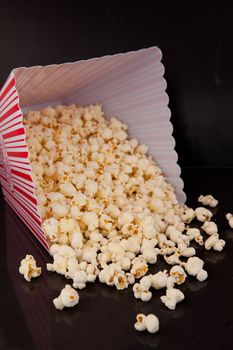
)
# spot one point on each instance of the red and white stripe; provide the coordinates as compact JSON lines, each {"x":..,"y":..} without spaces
{"x":15,"y":170}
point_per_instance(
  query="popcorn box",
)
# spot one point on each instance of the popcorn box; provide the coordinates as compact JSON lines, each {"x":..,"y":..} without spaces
{"x":129,"y":85}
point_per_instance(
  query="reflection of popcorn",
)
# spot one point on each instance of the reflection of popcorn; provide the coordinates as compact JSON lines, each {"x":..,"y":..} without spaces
{"x":67,"y":298}
{"x":28,"y":268}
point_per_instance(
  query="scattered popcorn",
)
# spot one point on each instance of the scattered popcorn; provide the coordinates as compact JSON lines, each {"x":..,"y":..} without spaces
{"x":178,"y":272}
{"x":208,"y":200}
{"x":149,"y":323}
{"x":172,"y":297}
{"x":80,"y":279}
{"x":210,"y":227}
{"x":202,"y":275}
{"x":67,"y":298}
{"x":203,"y":214}
{"x":214,"y":242}
{"x":194,"y":265}
{"x":107,"y":210}
{"x":28,"y":268}
{"x":229,"y":218}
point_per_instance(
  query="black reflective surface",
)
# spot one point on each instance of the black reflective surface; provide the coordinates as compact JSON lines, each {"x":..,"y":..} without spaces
{"x":104,"y":317}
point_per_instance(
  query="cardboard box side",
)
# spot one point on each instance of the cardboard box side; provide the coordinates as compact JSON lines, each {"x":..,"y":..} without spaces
{"x":15,"y":169}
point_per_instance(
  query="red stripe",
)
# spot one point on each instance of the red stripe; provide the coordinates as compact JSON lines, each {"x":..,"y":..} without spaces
{"x":10,"y":126}
{"x":10,"y":85}
{"x":16,"y":132}
{"x":12,"y":110}
{"x":19,"y":167}
{"x":25,"y":220}
{"x":24,"y":176}
{"x":22,"y":185}
{"x":9,"y":147}
{"x":4,"y":178}
{"x":33,"y":200}
{"x":10,"y":100}
{"x":18,"y":154}
{"x":27,"y":211}
{"x":14,"y":140}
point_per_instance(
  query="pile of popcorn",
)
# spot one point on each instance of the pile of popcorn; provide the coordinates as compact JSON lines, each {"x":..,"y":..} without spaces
{"x":107,"y":210}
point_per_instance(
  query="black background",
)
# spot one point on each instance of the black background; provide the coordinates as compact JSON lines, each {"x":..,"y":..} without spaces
{"x":197,"y":44}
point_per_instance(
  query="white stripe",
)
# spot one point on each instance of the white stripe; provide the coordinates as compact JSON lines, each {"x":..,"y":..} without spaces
{"x":20,"y":164}
{"x":3,"y":124}
{"x":12,"y":104}
{"x":15,"y":138}
{"x":6,"y":99}
{"x":30,"y":206}
{"x":13,"y":128}
{"x":21,"y":182}
{"x":23,"y":171}
{"x":28,"y":192}
{"x":24,"y":214}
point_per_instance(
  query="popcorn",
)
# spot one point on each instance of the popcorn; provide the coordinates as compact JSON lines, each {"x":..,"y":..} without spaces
{"x":208,"y":200}
{"x":214,"y":242}
{"x":67,"y":298}
{"x":210,"y":227}
{"x":28,"y":268}
{"x":139,"y":269}
{"x":80,"y":279}
{"x":229,"y":218}
{"x":172,"y":297}
{"x":179,"y":274}
{"x":152,"y":323}
{"x":159,"y":280}
{"x":194,"y":265}
{"x":141,"y":292}
{"x":106,"y":207}
{"x":203,"y":214}
{"x":149,"y":323}
{"x":202,"y":275}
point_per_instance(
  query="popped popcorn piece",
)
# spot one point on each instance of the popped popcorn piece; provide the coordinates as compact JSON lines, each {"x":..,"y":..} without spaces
{"x":214,"y":242}
{"x":149,"y":323}
{"x":152,"y":323}
{"x":203,"y":214}
{"x":159,"y":280}
{"x":202,"y":275}
{"x":140,"y":324}
{"x":141,"y":292}
{"x":28,"y":268}
{"x":80,"y":279}
{"x":178,"y":272}
{"x":229,"y":218}
{"x":208,"y":200}
{"x":194,"y":265}
{"x":67,"y":298}
{"x":139,"y":269}
{"x":172,"y":297}
{"x":210,"y":227}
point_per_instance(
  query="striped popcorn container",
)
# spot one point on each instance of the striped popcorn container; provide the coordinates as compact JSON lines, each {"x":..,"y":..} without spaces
{"x":130,"y":86}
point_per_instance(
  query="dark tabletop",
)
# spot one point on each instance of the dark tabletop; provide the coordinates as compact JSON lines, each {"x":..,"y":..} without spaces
{"x":104,"y":317}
